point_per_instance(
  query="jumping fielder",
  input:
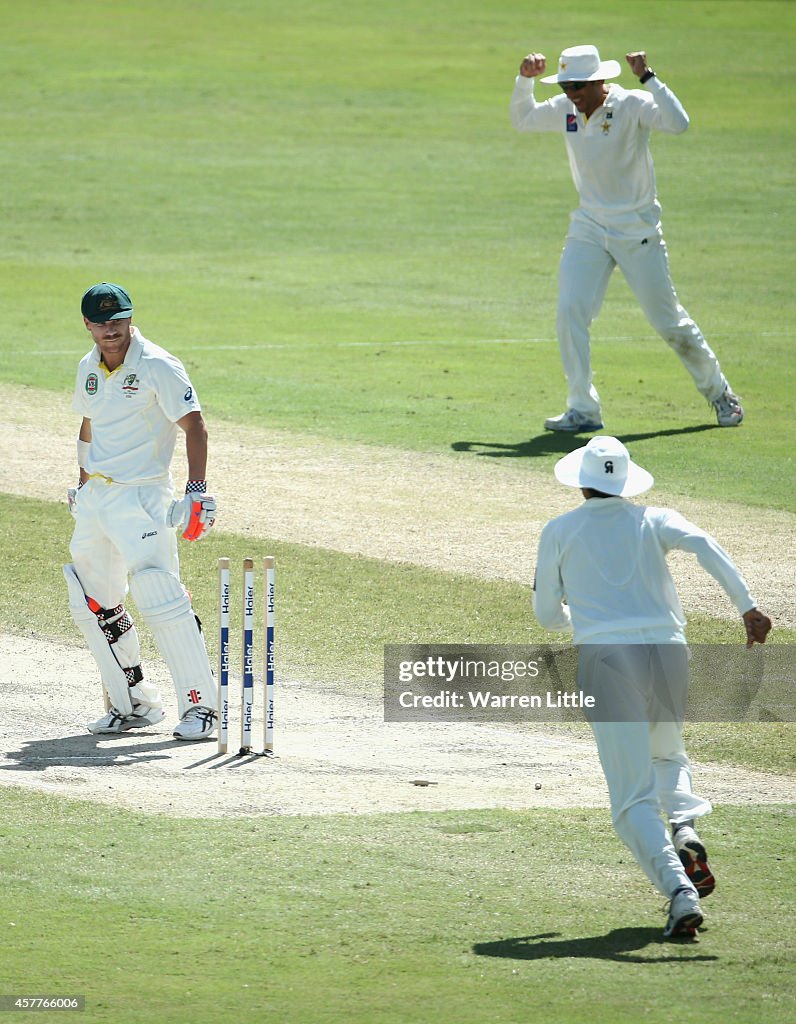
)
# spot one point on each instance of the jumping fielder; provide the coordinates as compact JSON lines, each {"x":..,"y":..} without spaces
{"x":607,"y":130}
{"x":133,"y":397}
{"x":601,"y":571}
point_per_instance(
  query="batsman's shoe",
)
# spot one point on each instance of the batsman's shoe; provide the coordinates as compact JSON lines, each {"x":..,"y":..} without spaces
{"x":694,"y":859}
{"x":115,"y":722}
{"x":729,"y":411}
{"x":197,"y":723}
{"x":573,"y":422}
{"x":685,"y":914}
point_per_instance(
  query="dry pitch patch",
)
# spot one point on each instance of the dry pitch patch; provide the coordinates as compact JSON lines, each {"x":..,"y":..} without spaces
{"x":455,"y":513}
{"x":336,"y":755}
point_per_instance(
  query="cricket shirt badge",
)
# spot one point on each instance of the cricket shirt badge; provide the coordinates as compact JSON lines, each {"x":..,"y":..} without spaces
{"x":130,"y":384}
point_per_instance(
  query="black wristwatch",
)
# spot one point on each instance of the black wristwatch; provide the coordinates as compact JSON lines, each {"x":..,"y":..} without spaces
{"x":648,"y":74}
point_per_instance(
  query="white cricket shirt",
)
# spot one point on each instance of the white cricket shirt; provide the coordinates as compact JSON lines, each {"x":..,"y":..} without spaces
{"x":133,"y":411}
{"x":609,"y":154}
{"x":607,"y":560}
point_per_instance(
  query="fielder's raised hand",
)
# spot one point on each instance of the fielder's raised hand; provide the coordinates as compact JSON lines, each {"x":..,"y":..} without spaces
{"x":195,"y":513}
{"x":638,"y":62}
{"x":758,"y":626}
{"x":534,"y":64}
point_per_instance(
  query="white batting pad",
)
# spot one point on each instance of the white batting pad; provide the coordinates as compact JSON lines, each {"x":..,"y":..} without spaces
{"x":166,"y":608}
{"x":113,"y":678}
{"x":146,"y":693}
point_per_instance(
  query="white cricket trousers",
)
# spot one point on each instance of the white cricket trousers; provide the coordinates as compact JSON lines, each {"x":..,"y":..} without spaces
{"x":644,"y":687}
{"x":587,"y":262}
{"x":120,"y":530}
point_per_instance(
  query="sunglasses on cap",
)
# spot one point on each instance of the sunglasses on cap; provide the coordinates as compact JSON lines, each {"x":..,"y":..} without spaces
{"x":572,"y":86}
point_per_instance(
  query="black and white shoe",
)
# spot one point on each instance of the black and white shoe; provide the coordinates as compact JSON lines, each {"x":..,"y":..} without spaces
{"x":197,"y":723}
{"x":115,"y":722}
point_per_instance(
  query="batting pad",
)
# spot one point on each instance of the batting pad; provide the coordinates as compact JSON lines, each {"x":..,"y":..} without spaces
{"x":113,"y":678}
{"x":166,"y":609}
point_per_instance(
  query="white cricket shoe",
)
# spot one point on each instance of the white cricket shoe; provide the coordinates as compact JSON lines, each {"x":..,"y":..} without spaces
{"x":729,"y":411}
{"x":197,"y":723}
{"x":685,"y":914}
{"x":114,"y":722}
{"x":573,"y":422}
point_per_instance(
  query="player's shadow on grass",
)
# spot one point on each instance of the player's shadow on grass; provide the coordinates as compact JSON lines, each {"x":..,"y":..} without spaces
{"x":88,"y":750}
{"x":620,"y":945}
{"x":552,"y":443}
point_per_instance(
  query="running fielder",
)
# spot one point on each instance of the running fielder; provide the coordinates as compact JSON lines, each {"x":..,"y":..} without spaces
{"x":606,"y":130}
{"x":135,"y":398}
{"x":601,"y":571}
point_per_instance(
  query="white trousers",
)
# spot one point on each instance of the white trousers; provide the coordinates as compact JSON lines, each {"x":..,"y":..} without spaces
{"x":121,"y":531}
{"x":642,"y":754}
{"x":587,"y":262}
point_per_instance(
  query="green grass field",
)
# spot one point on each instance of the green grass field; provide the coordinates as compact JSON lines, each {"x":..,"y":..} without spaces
{"x":470,"y":917}
{"x":323,"y":210}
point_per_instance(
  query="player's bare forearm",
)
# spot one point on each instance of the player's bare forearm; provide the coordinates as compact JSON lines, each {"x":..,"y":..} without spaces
{"x":85,"y":436}
{"x":195,"y":444}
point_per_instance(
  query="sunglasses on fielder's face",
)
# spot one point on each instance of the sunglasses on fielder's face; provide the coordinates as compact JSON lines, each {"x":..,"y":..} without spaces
{"x":573,"y":86}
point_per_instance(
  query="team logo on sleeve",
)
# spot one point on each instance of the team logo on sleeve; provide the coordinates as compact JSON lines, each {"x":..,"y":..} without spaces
{"x":572,"y":123}
{"x":188,"y":395}
{"x":92,"y":384}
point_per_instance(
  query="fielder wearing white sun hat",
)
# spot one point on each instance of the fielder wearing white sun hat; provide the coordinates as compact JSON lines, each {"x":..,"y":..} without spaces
{"x":604,"y":465}
{"x":583,"y":64}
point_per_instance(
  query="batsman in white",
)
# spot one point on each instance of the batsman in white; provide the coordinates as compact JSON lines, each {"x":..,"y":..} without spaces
{"x":133,"y":396}
{"x":601,"y":571}
{"x":607,"y":129}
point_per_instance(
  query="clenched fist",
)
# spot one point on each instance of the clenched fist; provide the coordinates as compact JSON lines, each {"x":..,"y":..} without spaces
{"x":638,"y":62}
{"x":758,"y":626}
{"x":534,"y":64}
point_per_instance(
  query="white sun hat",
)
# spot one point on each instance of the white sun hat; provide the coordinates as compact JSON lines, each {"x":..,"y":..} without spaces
{"x":583,"y":64}
{"x":604,"y":464}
